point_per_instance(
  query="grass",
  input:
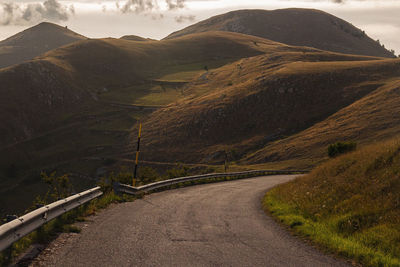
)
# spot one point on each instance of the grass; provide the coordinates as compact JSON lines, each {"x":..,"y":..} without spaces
{"x":61,"y":224}
{"x":367,"y":120}
{"x":218,"y":107}
{"x":350,"y":205}
{"x":184,"y":76}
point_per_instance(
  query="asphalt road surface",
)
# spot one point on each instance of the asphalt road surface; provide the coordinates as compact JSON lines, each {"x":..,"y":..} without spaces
{"x":220,"y":224}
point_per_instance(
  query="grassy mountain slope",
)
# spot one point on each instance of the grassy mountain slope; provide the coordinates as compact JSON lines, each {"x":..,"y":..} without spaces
{"x":87,"y":69}
{"x":34,"y":42}
{"x":72,"y":109}
{"x":294,"y":26}
{"x":370,"y":119}
{"x":349,"y":205}
{"x":254,"y":103}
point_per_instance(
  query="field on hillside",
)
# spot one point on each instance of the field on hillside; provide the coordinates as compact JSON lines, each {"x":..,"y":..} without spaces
{"x":349,"y":205}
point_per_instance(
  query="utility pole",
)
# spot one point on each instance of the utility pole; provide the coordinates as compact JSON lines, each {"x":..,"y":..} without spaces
{"x":137,"y":154}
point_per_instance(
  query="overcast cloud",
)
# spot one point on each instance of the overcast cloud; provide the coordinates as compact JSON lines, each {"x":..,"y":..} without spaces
{"x":31,"y":13}
{"x":157,"y":18}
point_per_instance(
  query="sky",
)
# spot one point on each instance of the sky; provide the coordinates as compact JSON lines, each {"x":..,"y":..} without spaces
{"x":157,"y":18}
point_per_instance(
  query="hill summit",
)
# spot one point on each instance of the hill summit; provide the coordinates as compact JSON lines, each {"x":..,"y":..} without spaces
{"x":34,"y":42}
{"x":294,"y":26}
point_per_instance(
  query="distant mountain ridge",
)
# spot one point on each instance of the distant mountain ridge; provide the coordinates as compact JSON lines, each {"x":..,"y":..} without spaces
{"x":294,"y":26}
{"x":34,"y":42}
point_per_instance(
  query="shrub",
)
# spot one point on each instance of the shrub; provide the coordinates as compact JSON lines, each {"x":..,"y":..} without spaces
{"x":58,"y":187}
{"x":179,"y":171}
{"x":148,"y":175}
{"x":341,"y":148}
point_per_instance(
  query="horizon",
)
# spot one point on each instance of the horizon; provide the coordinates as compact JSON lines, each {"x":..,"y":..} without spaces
{"x":157,"y":19}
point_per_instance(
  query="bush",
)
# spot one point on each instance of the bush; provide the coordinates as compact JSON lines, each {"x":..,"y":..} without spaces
{"x":148,"y":175}
{"x":179,"y":171}
{"x":59,"y":187}
{"x":341,"y":148}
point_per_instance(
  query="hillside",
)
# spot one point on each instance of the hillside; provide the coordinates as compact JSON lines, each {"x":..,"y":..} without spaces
{"x":263,"y":103}
{"x":106,"y":66}
{"x":294,"y":26}
{"x":34,"y":42}
{"x":72,"y":108}
{"x":349,"y":205}
{"x":371,"y":118}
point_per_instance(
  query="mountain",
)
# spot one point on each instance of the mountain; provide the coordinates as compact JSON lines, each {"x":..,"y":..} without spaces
{"x":278,"y":107}
{"x":294,"y":26}
{"x":368,"y":120}
{"x":72,"y":108}
{"x":34,"y":42}
{"x":75,"y":109}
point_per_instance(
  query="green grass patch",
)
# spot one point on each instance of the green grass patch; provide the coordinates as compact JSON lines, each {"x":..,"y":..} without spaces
{"x":184,"y":76}
{"x":349,"y":205}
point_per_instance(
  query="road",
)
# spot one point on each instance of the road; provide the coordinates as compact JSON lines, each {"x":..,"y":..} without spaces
{"x":219,"y":224}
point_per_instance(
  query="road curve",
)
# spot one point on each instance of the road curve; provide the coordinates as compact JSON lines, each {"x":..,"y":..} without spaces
{"x":219,"y":224}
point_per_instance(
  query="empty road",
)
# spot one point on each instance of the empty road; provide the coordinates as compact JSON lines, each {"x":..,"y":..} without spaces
{"x":219,"y":224}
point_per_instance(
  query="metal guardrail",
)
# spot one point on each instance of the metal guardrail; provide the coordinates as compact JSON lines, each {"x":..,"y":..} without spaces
{"x":18,"y":228}
{"x":127,"y":189}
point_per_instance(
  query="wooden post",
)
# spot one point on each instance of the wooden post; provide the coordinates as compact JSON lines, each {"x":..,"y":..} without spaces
{"x":137,"y":154}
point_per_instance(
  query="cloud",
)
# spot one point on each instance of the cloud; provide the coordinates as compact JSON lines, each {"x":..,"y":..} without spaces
{"x":182,"y":18}
{"x":177,"y":4}
{"x":138,"y":6}
{"x":148,"y":6}
{"x":21,"y":14}
{"x":8,"y":10}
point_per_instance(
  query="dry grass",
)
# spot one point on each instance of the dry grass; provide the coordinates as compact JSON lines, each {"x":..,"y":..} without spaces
{"x":258,"y":105}
{"x":350,"y":204}
{"x":372,"y":118}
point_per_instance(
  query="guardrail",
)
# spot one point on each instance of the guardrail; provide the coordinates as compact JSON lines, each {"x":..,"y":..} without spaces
{"x":18,"y":228}
{"x":127,"y":189}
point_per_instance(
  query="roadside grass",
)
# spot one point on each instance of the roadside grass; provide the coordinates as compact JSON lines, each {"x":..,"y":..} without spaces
{"x":61,"y":224}
{"x":349,"y":205}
